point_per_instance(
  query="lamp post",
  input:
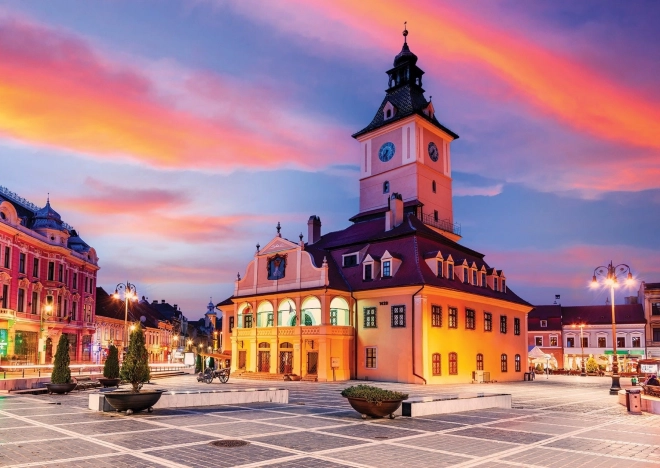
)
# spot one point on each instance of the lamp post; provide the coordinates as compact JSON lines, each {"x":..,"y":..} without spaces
{"x":583,"y":372}
{"x":609,"y":277}
{"x":48,"y":308}
{"x":130,"y":294}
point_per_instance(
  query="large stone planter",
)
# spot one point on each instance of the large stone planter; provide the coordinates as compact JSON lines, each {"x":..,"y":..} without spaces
{"x":126,"y":400}
{"x":60,"y":388}
{"x":375,"y":410}
{"x":109,"y":382}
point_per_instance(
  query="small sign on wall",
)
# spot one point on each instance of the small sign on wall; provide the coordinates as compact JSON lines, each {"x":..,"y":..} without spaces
{"x":334,"y":362}
{"x":384,"y":303}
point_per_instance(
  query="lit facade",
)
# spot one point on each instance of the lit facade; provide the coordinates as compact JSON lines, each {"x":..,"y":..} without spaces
{"x":393,"y":297}
{"x":546,"y":332}
{"x":47,"y":284}
{"x":649,"y":297}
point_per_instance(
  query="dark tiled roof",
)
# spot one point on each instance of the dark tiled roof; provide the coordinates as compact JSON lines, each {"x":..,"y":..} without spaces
{"x":107,"y":306}
{"x":648,"y":286}
{"x":226,"y":302}
{"x":408,"y":206}
{"x":602,"y":314}
{"x":550,"y":313}
{"x":408,"y":100}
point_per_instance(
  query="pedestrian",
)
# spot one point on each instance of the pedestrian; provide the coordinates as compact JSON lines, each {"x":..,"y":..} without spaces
{"x":653,"y":380}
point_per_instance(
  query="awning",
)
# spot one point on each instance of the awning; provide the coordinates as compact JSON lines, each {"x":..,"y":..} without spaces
{"x":536,"y":353}
{"x":624,"y":351}
{"x":217,"y":355}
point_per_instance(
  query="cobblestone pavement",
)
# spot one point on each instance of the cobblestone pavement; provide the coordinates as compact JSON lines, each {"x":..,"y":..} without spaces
{"x":562,"y":421}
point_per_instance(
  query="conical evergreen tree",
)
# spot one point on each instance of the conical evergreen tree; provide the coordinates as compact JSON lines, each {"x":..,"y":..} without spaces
{"x":198,"y":363}
{"x":111,"y":366}
{"x":61,"y":372}
{"x":212,"y":362}
{"x":135,"y":368}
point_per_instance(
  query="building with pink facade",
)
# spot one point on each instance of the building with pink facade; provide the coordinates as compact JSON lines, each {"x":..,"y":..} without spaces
{"x":47,"y":284}
{"x":394,"y":296}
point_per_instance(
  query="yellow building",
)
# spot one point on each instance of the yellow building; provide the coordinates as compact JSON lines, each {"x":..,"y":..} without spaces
{"x":393,"y":297}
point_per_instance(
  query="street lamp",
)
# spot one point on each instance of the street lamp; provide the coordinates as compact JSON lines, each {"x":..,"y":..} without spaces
{"x":583,"y":372}
{"x":609,"y":277}
{"x":48,"y":308}
{"x":130,"y":294}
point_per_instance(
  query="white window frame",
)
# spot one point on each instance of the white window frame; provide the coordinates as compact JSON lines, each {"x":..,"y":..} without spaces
{"x":536,"y":338}
{"x":556,"y":337}
{"x":543,"y":324}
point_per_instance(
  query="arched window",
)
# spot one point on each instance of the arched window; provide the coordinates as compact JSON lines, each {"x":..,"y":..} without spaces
{"x":311,"y":311}
{"x":504,"y":363}
{"x":339,"y":314}
{"x":435,"y":359}
{"x":453,"y":363}
{"x":480,"y":361}
{"x":244,"y":311}
{"x":264,"y":314}
{"x":386,"y":187}
{"x":286,"y":313}
{"x":264,"y":345}
{"x":433,"y":186}
{"x":517,"y":362}
{"x":286,"y":345}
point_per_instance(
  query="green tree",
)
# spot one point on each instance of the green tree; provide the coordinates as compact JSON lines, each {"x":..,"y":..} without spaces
{"x":198,"y":363}
{"x":592,"y":365}
{"x":111,"y":366}
{"x":135,"y":368}
{"x":61,"y":372}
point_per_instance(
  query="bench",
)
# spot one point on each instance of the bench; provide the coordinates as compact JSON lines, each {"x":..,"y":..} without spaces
{"x":86,"y":382}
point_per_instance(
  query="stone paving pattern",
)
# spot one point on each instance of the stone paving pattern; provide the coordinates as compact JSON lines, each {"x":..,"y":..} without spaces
{"x":561,"y":421}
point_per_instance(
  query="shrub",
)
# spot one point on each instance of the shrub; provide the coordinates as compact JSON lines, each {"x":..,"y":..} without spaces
{"x":111,"y":366}
{"x":135,"y":368}
{"x":539,"y":367}
{"x":198,"y":363}
{"x":592,"y":365}
{"x":372,"y":394}
{"x":212,"y":362}
{"x":61,"y":372}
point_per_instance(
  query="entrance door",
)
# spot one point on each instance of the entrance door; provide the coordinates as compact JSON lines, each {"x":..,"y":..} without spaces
{"x":242,"y":358}
{"x":312,"y":362}
{"x":263,"y":364}
{"x":286,"y":362}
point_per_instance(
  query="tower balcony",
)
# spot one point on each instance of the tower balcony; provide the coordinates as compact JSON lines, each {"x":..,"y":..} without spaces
{"x":442,"y":224}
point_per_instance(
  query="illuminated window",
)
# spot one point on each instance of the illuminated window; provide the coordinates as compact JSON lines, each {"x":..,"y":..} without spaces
{"x":469,"y":319}
{"x":437,"y":367}
{"x":480,"y":361}
{"x":503,"y":363}
{"x":517,"y":362}
{"x":488,"y":321}
{"x":398,"y":316}
{"x":453,"y":317}
{"x":436,"y":316}
{"x":371,"y":356}
{"x":538,"y":340}
{"x":453,"y":363}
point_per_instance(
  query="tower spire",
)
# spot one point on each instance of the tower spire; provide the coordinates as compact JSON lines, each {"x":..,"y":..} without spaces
{"x":405,"y":32}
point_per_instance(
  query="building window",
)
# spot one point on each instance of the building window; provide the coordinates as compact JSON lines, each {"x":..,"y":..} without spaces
{"x":656,"y":334}
{"x":503,"y":363}
{"x":516,"y":326}
{"x":544,"y":324}
{"x":636,"y":342}
{"x":453,"y":364}
{"x":585,"y":341}
{"x":75,"y":281}
{"x":60,"y":273}
{"x":466,"y":275}
{"x":437,"y":366}
{"x":35,"y":303}
{"x":20,"y":307}
{"x":453,"y":317}
{"x":74,"y":311}
{"x":371,"y":357}
{"x":5,"y":296}
{"x":387,"y":272}
{"x":231,"y":324}
{"x":602,"y":342}
{"x":488,"y":321}
{"x":450,"y":271}
{"x":269,"y":319}
{"x":247,"y":321}
{"x":655,"y":308}
{"x":502,"y":323}
{"x":538,"y":340}
{"x":517,"y":362}
{"x":59,"y":306}
{"x":480,"y":361}
{"x":369,"y":317}
{"x":474,"y":277}
{"x":350,"y":260}
{"x":570,"y":342}
{"x":35,"y":267}
{"x":503,"y":285}
{"x":435,"y":215}
{"x":553,"y":340}
{"x":469,"y":319}
{"x":483,"y":280}
{"x":368,"y":272}
{"x":620,"y":342}
{"x":386,"y":187}
{"x":51,"y":271}
{"x":433,"y":186}
{"x":21,"y":263}
{"x":436,"y":316}
{"x":86,"y":284}
{"x":7,"y":257}
{"x":333,"y":317}
{"x":399,"y":316}
{"x":439,"y":269}
{"x":494,"y":284}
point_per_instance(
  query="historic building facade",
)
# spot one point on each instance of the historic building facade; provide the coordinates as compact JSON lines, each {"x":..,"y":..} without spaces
{"x":649,"y":297}
{"x":545,"y":331}
{"x":394,"y":296}
{"x":47,"y":284}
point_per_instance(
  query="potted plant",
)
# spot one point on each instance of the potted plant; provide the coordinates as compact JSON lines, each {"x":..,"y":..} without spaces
{"x":134,"y":370}
{"x":111,"y":368}
{"x":373,"y":401}
{"x":60,"y":379}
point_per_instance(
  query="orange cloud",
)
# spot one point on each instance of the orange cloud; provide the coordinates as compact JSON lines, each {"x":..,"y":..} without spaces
{"x":58,"y":91}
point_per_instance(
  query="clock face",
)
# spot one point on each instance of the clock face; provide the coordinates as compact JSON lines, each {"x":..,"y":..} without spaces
{"x":433,"y":152}
{"x":386,"y":152}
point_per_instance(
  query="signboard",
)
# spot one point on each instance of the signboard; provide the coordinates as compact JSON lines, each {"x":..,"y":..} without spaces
{"x":335,"y":362}
{"x":649,"y":368}
{"x":4,"y":342}
{"x":189,"y":359}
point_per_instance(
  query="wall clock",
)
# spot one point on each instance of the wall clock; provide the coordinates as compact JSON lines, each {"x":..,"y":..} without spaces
{"x":386,"y":152}
{"x":433,"y":152}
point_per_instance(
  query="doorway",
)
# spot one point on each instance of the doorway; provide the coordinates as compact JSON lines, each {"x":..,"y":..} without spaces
{"x":312,"y":362}
{"x":263,"y":361}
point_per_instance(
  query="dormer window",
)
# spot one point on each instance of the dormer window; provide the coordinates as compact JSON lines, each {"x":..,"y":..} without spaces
{"x":495,"y":284}
{"x":350,"y":260}
{"x":450,"y":271}
{"x":503,"y":285}
{"x":386,"y":187}
{"x":440,"y":269}
{"x":483,"y":279}
{"x":368,"y":272}
{"x":388,"y":114}
{"x":466,"y":275}
{"x":387,"y":269}
{"x":388,"y":111}
{"x":474,"y":277}
{"x":370,"y":267}
{"x":544,"y":324}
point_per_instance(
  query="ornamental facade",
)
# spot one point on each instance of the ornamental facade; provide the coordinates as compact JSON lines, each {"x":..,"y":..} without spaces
{"x":393,"y":297}
{"x":47,"y":284}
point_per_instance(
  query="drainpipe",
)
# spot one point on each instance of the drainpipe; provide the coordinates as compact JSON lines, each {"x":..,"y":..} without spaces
{"x":413,"y":335}
{"x":355,"y":333}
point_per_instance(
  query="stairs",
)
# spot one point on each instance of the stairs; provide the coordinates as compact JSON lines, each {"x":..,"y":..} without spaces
{"x":310,"y":378}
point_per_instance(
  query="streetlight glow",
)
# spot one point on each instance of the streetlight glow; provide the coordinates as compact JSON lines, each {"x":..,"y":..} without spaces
{"x":130,"y":293}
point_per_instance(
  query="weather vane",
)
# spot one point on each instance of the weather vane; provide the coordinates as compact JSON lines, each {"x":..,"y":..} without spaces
{"x":405,"y":31}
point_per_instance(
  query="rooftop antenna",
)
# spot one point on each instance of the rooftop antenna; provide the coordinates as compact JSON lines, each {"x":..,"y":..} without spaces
{"x":405,"y":32}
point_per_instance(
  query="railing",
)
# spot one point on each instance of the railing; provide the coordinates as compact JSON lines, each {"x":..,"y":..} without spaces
{"x":336,"y":330}
{"x":46,"y":369}
{"x":7,"y":313}
{"x":443,"y":224}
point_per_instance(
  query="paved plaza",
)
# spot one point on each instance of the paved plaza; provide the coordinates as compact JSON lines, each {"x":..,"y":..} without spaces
{"x":562,"y":421}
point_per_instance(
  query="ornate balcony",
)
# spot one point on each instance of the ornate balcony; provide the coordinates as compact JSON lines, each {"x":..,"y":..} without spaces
{"x":7,"y":314}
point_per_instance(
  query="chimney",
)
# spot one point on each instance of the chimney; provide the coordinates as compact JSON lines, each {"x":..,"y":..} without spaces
{"x":631,"y":300}
{"x":155,"y":301}
{"x":162,"y":301}
{"x":313,"y":229}
{"x":394,"y":216}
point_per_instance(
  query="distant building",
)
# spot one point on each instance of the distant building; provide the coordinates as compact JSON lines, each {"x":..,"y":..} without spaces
{"x":393,"y":297}
{"x":649,"y":297}
{"x":47,"y":284}
{"x":544,"y":324}
{"x":173,"y":314}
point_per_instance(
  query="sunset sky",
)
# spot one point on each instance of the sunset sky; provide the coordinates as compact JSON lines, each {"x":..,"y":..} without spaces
{"x":174,"y":135}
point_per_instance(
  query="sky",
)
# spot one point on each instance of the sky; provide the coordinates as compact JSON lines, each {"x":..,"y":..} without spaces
{"x":175,"y":135}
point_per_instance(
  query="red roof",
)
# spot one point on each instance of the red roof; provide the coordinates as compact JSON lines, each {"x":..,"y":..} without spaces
{"x":602,"y":314}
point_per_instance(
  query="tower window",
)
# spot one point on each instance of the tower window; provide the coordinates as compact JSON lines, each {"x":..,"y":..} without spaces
{"x":388,"y":114}
{"x":433,"y":186}
{"x":386,"y":187}
{"x":435,"y":215}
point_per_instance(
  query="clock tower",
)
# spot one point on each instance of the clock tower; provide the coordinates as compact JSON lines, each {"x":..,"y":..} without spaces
{"x":405,"y":149}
